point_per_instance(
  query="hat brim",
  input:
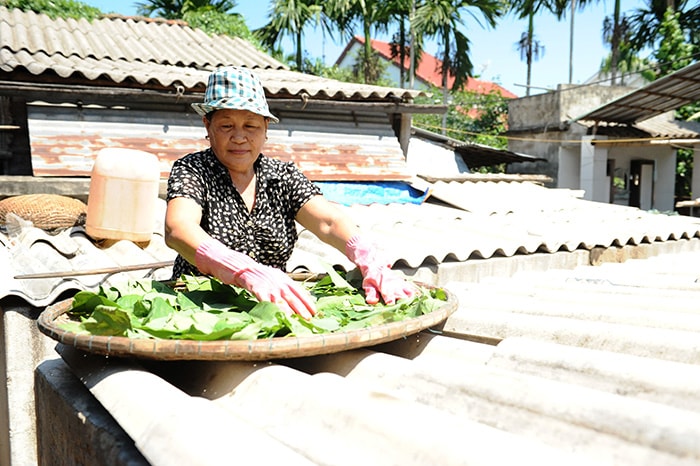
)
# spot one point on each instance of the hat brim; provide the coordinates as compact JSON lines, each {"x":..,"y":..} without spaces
{"x":203,"y":109}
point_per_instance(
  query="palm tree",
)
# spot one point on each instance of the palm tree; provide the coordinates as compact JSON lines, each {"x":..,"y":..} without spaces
{"x":399,"y":12}
{"x":616,"y":33}
{"x":370,"y":15}
{"x":531,"y":49}
{"x":290,"y":17}
{"x":442,"y":19}
{"x":174,"y":9}
{"x":573,"y":6}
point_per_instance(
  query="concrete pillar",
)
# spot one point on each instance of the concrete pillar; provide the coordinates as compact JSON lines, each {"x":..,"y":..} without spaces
{"x":665,"y":180}
{"x":593,"y":170}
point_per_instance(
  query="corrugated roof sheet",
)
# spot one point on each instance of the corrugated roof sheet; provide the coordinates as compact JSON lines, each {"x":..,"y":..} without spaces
{"x":29,"y":250}
{"x":657,"y":127}
{"x":665,"y":128}
{"x":596,"y":365}
{"x":497,"y":220}
{"x":462,"y":222}
{"x":665,"y":94}
{"x":590,"y":365}
{"x":119,"y":40}
{"x":135,"y":52}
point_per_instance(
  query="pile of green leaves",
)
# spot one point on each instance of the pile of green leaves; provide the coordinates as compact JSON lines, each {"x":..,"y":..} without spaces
{"x":206,"y":309}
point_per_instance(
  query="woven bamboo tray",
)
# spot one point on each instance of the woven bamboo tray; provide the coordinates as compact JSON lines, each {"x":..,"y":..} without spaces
{"x":236,"y":350}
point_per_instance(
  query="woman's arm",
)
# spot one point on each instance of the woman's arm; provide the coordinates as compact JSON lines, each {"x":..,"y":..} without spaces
{"x":325,"y":220}
{"x":332,"y":226}
{"x":182,"y":230}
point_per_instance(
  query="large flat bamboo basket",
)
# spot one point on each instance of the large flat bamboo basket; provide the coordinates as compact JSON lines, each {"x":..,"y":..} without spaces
{"x":236,"y":350}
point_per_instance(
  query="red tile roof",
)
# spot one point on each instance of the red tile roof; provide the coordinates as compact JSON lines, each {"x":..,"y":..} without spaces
{"x":428,"y":69}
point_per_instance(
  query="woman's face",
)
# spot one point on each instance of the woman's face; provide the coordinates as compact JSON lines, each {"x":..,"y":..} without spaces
{"x":236,"y":137}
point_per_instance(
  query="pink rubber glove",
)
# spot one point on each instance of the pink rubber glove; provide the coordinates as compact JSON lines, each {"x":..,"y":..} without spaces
{"x":378,"y":278}
{"x":267,"y":283}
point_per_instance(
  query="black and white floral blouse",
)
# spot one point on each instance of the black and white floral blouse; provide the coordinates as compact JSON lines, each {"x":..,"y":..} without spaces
{"x":268,"y":233}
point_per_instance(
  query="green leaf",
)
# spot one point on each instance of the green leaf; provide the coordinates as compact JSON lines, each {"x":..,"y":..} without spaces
{"x":249,"y":332}
{"x":160,"y":308}
{"x":128,"y":301}
{"x":85,"y":302}
{"x":337,"y":280}
{"x":185,"y":301}
{"x":272,"y":320}
{"x":321,"y":324}
{"x":108,"y":320}
{"x":110,"y":293}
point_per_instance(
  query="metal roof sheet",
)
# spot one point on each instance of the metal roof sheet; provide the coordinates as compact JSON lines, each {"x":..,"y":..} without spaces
{"x":137,"y":52}
{"x":664,"y":128}
{"x":474,"y":155}
{"x":65,"y":141}
{"x":665,"y":94}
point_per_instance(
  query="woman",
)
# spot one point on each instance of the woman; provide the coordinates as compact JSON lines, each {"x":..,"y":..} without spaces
{"x":231,"y":210}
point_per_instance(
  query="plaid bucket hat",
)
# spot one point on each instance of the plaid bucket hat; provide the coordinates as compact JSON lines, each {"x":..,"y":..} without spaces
{"x":234,"y":88}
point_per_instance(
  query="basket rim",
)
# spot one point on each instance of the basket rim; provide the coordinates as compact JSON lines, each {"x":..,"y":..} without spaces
{"x":238,"y":350}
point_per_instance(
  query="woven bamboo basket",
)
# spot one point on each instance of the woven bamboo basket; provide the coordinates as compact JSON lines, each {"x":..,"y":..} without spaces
{"x":236,"y":350}
{"x":45,"y":211}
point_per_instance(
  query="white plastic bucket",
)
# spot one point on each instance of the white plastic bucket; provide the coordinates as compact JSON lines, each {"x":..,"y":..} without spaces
{"x":123,"y":195}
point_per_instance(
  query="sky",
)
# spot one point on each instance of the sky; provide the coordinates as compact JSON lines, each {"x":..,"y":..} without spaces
{"x":494,"y":52}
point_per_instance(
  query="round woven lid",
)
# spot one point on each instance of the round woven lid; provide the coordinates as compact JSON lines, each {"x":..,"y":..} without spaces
{"x":45,"y":211}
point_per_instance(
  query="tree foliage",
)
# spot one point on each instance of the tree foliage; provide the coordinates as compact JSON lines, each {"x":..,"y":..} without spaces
{"x":291,"y":17}
{"x":211,"y":16}
{"x":216,"y":22}
{"x":471,"y":117}
{"x":175,"y":9}
{"x":370,"y":16}
{"x":672,"y":54}
{"x":645,"y":23}
{"x":623,"y":59}
{"x":56,"y":8}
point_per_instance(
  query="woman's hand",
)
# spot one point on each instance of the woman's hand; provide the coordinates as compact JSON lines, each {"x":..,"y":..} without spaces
{"x":266,"y":283}
{"x":378,"y":278}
